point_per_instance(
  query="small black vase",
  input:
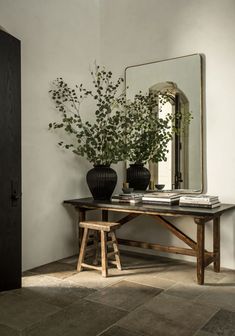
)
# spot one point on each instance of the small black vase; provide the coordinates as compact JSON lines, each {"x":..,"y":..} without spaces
{"x":138,"y":176}
{"x":101,"y":181}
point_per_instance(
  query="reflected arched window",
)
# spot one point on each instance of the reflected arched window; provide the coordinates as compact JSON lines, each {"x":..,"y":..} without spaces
{"x":173,"y":172}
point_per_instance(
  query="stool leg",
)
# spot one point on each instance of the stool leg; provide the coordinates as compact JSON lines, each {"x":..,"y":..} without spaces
{"x":104,"y":253}
{"x":82,"y":250}
{"x":96,"y":248}
{"x":116,"y":250}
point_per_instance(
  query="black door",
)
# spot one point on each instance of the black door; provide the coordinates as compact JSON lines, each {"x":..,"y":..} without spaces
{"x":10,"y":163}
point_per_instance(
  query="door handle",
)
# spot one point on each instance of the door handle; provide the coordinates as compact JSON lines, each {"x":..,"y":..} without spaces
{"x":15,"y":193}
{"x":16,"y":196}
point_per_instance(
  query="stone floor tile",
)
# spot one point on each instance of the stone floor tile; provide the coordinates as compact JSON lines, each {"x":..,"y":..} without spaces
{"x":94,"y":279}
{"x":137,"y":259}
{"x":147,"y":322}
{"x":221,"y":324}
{"x":18,"y":311}
{"x":186,"y":291}
{"x":52,"y":290}
{"x":118,"y":331}
{"x":167,"y":315}
{"x":203,"y":333}
{"x":186,"y":273}
{"x":27,"y":274}
{"x":70,"y":260}
{"x":56,"y":300}
{"x":84,"y":318}
{"x":211,"y":277}
{"x":220,"y":296}
{"x":6,"y":331}
{"x":40,"y":280}
{"x":124,"y":295}
{"x":228,"y":279}
{"x":150,"y":279}
{"x":186,"y":311}
{"x":132,"y":272}
{"x":56,"y":269}
{"x":130,"y":259}
{"x":149,"y":269}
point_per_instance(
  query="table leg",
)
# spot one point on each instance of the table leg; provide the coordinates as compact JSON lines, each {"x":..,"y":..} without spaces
{"x":200,"y":251}
{"x":216,"y":243}
{"x":81,"y":218}
{"x":105,"y":215}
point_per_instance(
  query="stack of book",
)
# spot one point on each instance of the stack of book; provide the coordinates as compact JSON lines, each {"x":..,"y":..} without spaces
{"x":127,"y":198}
{"x":167,"y":198}
{"x":200,"y":201}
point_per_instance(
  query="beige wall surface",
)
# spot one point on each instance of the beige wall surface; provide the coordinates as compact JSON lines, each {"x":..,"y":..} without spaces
{"x":62,"y":38}
{"x":58,"y":39}
{"x":140,"y":31}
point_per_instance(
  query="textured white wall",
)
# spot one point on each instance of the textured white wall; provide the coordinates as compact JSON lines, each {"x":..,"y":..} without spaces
{"x":139,"y":31}
{"x":59,"y":38}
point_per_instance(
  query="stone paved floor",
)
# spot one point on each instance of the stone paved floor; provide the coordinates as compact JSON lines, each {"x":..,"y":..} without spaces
{"x":150,"y":296}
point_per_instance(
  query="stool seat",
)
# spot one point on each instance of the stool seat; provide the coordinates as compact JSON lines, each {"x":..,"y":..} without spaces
{"x":105,"y":229}
{"x":104,"y":226}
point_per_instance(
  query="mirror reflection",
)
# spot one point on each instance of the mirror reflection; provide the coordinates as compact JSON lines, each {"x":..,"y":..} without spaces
{"x":181,"y":79}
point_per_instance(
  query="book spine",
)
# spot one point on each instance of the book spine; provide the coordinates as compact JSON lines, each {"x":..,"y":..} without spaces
{"x":198,"y":201}
{"x":159,"y":199}
{"x":160,"y":202}
{"x":125,"y":201}
{"x":206,"y":206}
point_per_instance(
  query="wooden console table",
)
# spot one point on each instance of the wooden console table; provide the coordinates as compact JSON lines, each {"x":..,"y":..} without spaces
{"x":196,"y":248}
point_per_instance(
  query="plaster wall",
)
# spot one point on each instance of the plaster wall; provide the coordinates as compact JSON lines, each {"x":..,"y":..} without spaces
{"x":61,"y":39}
{"x":140,"y":31}
{"x":58,"y":39}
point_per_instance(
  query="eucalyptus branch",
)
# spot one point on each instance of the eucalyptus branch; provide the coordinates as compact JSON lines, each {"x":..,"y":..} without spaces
{"x":101,"y":141}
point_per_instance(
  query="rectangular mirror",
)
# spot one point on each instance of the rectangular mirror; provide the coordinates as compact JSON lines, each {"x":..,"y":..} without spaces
{"x":182,"y":77}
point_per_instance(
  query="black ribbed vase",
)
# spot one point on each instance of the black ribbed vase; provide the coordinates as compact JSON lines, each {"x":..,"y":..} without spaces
{"x":101,"y":181}
{"x":138,"y":176}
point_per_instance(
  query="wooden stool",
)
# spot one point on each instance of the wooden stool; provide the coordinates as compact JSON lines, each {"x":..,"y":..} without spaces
{"x":104,"y":228}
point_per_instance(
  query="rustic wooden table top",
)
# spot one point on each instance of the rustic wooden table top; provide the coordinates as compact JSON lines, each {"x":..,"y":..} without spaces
{"x":170,"y":210}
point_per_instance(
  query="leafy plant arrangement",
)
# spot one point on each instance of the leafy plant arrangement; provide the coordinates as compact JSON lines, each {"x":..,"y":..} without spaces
{"x":100,"y":141}
{"x":147,"y":132}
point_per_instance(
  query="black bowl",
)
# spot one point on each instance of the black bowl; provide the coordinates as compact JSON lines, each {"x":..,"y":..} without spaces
{"x":159,"y":186}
